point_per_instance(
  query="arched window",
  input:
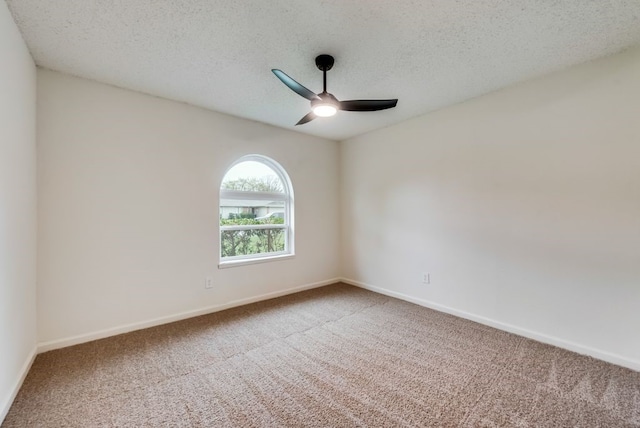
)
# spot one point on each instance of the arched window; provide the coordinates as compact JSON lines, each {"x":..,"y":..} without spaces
{"x":256,"y":212}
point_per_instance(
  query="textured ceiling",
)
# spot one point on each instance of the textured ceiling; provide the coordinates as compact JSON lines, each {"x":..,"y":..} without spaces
{"x":218,"y":53}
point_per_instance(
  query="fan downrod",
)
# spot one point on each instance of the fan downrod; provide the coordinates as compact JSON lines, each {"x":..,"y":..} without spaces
{"x":324,"y":62}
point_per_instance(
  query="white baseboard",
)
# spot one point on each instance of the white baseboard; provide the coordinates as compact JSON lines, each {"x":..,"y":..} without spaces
{"x":551,"y":340}
{"x":88,"y":337}
{"x":6,"y":404}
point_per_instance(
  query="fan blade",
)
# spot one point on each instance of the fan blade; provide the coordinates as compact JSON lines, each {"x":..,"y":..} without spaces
{"x":295,"y":86}
{"x":308,"y":118}
{"x":367,"y":105}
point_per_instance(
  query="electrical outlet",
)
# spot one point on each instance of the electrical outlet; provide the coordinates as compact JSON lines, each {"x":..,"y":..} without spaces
{"x":426,"y":278}
{"x":208,"y":282}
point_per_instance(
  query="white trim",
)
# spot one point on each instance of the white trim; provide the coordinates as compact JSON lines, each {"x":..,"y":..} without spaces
{"x":248,"y":260}
{"x":544,"y":338}
{"x":6,"y":405}
{"x":265,"y":226}
{"x":249,"y":195}
{"x":101,"y":334}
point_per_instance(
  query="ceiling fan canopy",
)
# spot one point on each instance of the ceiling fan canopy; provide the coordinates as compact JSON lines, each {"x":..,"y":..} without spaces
{"x":326,"y":104}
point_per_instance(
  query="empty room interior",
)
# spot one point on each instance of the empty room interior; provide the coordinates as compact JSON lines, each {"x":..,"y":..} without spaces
{"x":297,"y":213}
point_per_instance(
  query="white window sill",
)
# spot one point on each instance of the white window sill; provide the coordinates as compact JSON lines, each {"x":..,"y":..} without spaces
{"x":253,"y":261}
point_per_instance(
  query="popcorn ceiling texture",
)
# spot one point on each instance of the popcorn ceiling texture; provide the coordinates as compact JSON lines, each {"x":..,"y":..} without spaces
{"x":218,"y":54}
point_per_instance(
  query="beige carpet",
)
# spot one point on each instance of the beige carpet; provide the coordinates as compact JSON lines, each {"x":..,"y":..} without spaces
{"x":337,"y":356}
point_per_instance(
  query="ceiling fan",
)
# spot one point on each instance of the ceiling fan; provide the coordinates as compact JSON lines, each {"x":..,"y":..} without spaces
{"x":325,"y":104}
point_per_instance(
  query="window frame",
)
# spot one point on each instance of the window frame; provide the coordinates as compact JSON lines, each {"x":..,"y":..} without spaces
{"x":286,"y":196}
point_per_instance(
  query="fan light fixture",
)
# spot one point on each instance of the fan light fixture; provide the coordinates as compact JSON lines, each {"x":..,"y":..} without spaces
{"x":325,"y":110}
{"x":325,"y":105}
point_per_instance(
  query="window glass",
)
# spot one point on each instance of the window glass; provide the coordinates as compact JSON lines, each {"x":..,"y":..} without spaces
{"x":256,"y":211}
{"x":252,"y":176}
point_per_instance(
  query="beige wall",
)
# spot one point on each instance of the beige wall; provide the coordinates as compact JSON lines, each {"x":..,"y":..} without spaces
{"x":523,"y":205}
{"x":128,"y":203}
{"x":17,"y":209}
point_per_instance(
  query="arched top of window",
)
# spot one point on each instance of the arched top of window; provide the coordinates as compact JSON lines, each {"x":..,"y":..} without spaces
{"x":255,"y":174}
{"x":256,"y":212}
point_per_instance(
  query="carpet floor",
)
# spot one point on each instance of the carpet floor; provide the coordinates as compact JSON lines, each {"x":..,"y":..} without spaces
{"x":337,"y":356}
